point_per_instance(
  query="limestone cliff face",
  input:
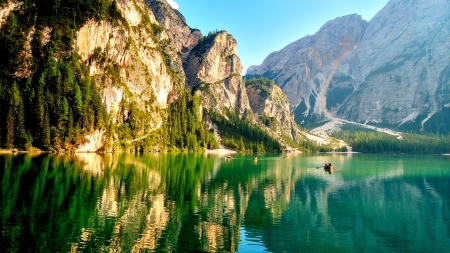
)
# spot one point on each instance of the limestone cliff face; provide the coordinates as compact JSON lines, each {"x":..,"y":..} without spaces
{"x":176,"y":30}
{"x":304,"y":68}
{"x":392,"y":70}
{"x":140,"y":55}
{"x":6,"y":10}
{"x":400,"y":69}
{"x":271,"y":107}
{"x":129,"y":64}
{"x":213,"y":70}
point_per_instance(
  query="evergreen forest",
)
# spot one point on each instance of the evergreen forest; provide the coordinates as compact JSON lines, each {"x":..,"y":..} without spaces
{"x":371,"y":141}
{"x":58,"y":103}
{"x":239,"y":134}
{"x":48,"y":101}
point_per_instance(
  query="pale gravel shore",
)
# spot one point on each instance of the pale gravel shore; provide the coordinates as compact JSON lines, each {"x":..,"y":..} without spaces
{"x":446,"y":154}
{"x":220,"y":151}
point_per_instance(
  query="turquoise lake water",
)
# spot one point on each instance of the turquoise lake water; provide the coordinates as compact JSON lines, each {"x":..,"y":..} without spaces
{"x":200,"y":203}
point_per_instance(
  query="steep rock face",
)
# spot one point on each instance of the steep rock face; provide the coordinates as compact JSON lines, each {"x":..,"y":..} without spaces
{"x":304,"y":68}
{"x":392,"y":71}
{"x":6,"y":10}
{"x":126,"y":63}
{"x":135,"y":58}
{"x":176,"y":30}
{"x":400,"y":69}
{"x":271,"y":107}
{"x":213,"y":70}
{"x":130,"y":65}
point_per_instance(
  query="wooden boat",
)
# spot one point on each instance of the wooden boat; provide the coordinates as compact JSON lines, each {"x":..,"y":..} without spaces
{"x":255,"y":159}
{"x":228,"y":157}
{"x":328,"y":167}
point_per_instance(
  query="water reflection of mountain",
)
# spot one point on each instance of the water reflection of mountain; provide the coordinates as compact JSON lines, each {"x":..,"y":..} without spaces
{"x":184,"y":202}
{"x":378,"y":212}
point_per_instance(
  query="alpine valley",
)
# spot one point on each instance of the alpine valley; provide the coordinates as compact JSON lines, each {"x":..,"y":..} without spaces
{"x":391,"y":72}
{"x":118,"y":75}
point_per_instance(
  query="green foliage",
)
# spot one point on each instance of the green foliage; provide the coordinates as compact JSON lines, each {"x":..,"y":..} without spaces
{"x":312,"y":146}
{"x":203,"y":43}
{"x":239,"y":134}
{"x":184,"y":129}
{"x":58,"y":103}
{"x":268,"y":121}
{"x":371,"y":141}
{"x":56,"y":106}
{"x":262,"y":83}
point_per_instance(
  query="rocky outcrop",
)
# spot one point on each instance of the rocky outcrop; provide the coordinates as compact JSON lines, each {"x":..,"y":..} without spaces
{"x":392,"y":70}
{"x":271,"y":107}
{"x":176,"y":30}
{"x":400,"y":70}
{"x":213,"y":70}
{"x":130,"y":66}
{"x":304,"y":68}
{"x":6,"y":10}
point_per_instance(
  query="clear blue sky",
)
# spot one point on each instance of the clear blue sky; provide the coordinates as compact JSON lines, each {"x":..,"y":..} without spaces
{"x":263,"y":26}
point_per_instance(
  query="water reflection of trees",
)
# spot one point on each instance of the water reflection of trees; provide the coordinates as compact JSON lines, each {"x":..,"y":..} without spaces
{"x":183,"y":202}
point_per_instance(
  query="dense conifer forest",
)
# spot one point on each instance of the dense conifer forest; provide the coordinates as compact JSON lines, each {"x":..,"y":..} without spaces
{"x":239,"y":134}
{"x":58,"y":103}
{"x":371,"y":141}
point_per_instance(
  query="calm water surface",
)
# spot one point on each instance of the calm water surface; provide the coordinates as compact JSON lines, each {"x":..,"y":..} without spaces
{"x":192,"y":203}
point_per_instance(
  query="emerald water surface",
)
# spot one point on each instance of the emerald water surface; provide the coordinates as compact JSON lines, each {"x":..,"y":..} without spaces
{"x":192,"y":203}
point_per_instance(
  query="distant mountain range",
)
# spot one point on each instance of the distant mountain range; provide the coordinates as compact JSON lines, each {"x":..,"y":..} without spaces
{"x":392,"y":71}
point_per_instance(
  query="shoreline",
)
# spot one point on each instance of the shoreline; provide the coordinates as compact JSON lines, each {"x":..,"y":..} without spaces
{"x":220,"y":151}
{"x":351,"y":152}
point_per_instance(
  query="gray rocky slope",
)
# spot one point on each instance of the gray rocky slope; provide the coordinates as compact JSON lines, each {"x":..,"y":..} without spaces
{"x":393,"y":70}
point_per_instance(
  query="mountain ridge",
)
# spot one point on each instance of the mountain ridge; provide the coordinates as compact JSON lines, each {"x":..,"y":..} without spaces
{"x":116,"y":75}
{"x":375,"y":81}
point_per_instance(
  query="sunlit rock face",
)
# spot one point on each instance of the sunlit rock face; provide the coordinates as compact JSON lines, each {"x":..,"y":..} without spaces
{"x":304,"y":68}
{"x":6,"y":10}
{"x":125,"y":61}
{"x":393,"y":70}
{"x":139,"y":62}
{"x":400,"y":69}
{"x":214,"y":71}
{"x":176,"y":30}
{"x":270,"y":104}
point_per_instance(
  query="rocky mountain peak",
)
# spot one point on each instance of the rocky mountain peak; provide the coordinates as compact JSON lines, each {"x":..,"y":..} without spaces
{"x":391,"y":71}
{"x":400,"y":68}
{"x":304,"y":68}
{"x":214,"y":70}
{"x":271,"y":107}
